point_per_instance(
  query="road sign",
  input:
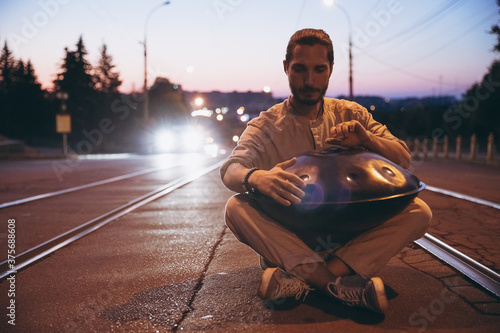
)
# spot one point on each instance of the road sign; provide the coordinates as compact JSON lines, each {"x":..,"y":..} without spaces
{"x":63,"y":123}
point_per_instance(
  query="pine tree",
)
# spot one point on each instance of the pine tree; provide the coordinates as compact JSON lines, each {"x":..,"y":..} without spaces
{"x":106,"y":78}
{"x":76,"y":80}
{"x":75,"y":77}
{"x":6,"y":69}
{"x":6,"y":107}
{"x":32,"y":117}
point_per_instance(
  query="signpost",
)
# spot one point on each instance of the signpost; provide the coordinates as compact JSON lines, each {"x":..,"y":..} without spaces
{"x":63,"y":126}
{"x":63,"y":122}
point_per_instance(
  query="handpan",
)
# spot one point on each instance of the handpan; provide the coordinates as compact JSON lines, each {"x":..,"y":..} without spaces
{"x":348,"y":189}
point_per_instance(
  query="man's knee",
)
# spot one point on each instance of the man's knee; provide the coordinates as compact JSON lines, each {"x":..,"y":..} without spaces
{"x":422,"y":216}
{"x":235,"y":214}
{"x":233,"y":207}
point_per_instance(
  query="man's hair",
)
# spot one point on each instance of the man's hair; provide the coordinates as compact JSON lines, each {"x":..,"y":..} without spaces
{"x":310,"y":37}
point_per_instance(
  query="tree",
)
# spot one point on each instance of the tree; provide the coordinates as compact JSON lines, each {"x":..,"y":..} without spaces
{"x":167,"y":101}
{"x":75,"y":76}
{"x":496,"y":31}
{"x":24,"y":111}
{"x":106,"y":78}
{"x":480,"y":106}
{"x":32,"y":115}
{"x":76,"y":80}
{"x":479,"y":110}
{"x":6,"y":69}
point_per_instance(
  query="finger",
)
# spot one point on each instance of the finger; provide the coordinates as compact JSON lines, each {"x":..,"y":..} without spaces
{"x":288,"y":196}
{"x":333,"y":141}
{"x":286,"y":164}
{"x":278,"y":197}
{"x":352,"y":126}
{"x":335,"y":134}
{"x":345,"y":130}
{"x":340,"y":132}
{"x":289,"y":187}
{"x":292,"y":181}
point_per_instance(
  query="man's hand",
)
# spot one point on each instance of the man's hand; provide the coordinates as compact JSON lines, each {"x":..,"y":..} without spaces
{"x":282,"y":186}
{"x":348,"y":134}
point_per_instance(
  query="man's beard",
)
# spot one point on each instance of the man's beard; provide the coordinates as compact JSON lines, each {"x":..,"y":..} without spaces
{"x":296,"y":92}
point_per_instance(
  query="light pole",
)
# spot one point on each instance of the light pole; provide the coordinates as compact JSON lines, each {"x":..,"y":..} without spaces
{"x":144,"y":43}
{"x":348,"y":19}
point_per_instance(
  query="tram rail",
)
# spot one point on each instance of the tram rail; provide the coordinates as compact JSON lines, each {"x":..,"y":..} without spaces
{"x":482,"y":275}
{"x":84,"y":187}
{"x":44,"y":249}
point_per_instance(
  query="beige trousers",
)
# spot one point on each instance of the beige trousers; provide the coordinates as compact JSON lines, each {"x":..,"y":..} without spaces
{"x":365,"y":252}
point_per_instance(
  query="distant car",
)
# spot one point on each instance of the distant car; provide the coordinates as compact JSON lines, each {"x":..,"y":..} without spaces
{"x":178,"y":139}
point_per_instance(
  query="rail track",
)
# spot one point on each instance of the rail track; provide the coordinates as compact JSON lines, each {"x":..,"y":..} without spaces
{"x":44,"y":249}
{"x":482,"y":275}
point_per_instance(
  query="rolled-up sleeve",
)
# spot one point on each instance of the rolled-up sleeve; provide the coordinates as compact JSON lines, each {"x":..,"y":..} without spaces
{"x":361,"y":114}
{"x":250,"y":150}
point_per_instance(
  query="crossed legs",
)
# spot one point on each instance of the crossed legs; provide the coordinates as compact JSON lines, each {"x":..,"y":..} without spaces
{"x":363,"y":254}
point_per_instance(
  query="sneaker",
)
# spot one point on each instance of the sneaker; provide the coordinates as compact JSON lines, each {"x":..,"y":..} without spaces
{"x":353,"y":290}
{"x":276,"y":284}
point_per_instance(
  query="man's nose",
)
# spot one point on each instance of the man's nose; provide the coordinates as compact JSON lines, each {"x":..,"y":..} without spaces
{"x":309,"y":78}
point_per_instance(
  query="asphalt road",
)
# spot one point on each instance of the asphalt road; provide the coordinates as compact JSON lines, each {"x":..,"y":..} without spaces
{"x":173,"y":265}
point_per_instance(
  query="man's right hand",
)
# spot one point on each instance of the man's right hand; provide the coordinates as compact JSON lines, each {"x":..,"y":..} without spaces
{"x":282,"y":186}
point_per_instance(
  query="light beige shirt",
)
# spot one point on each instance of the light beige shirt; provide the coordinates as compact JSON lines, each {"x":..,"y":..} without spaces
{"x":280,"y":133}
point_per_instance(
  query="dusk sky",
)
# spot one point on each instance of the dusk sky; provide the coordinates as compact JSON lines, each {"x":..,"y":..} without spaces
{"x":401,"y":47}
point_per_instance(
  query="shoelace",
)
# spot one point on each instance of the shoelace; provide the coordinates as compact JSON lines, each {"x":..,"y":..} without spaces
{"x":293,"y":287}
{"x":352,"y":296}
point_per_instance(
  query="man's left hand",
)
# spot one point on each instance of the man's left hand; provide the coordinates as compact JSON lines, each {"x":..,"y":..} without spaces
{"x":349,"y":134}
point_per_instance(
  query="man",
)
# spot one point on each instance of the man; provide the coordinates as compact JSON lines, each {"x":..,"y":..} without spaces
{"x":303,"y":122}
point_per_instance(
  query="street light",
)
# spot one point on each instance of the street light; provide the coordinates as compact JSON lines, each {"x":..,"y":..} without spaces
{"x":198,"y":101}
{"x":348,"y":19}
{"x":145,"y":91}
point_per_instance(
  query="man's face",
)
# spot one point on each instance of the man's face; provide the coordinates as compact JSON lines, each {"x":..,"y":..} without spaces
{"x":308,"y":73}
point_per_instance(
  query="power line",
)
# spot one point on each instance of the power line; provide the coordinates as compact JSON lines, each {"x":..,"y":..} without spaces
{"x":427,"y":21}
{"x":462,"y":35}
{"x":367,"y":15}
{"x":440,"y":48}
{"x":403,"y":71}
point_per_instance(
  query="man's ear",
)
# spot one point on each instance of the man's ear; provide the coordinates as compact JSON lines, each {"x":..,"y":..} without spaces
{"x":285,"y":66}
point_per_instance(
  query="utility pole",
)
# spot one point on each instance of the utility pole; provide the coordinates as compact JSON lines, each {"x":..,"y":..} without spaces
{"x":348,"y":19}
{"x":351,"y":94}
{"x":144,"y":43}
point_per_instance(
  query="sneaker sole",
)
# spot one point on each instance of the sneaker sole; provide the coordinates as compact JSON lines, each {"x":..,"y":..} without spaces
{"x":263,"y":289}
{"x":383,"y":303}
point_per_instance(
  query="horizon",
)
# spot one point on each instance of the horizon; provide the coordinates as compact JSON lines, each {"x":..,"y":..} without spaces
{"x":218,"y":46}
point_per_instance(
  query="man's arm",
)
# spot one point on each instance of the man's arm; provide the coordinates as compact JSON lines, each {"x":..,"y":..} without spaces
{"x":352,"y":133}
{"x":282,"y":186}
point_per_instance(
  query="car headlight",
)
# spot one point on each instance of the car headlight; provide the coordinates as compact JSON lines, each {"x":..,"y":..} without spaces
{"x":164,"y":141}
{"x":192,"y":140}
